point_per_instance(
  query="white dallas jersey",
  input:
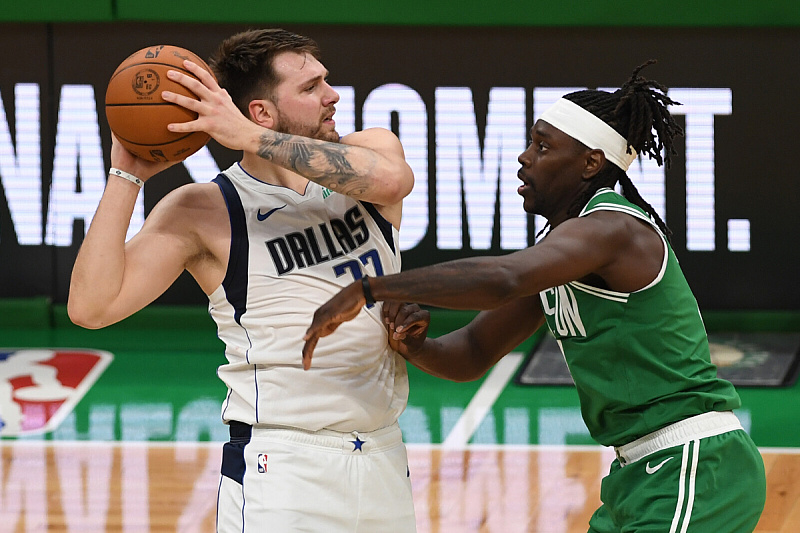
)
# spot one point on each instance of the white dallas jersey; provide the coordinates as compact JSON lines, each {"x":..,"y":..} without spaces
{"x":290,"y":253}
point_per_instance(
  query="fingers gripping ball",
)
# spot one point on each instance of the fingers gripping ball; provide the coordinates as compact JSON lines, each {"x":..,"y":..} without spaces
{"x":138,"y":115}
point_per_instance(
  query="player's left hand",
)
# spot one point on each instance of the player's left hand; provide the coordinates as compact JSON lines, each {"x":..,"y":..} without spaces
{"x":343,"y":307}
{"x":217,"y":115}
{"x":407,"y":325}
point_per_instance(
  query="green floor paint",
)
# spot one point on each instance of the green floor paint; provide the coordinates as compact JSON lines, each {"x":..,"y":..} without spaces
{"x":162,"y":386}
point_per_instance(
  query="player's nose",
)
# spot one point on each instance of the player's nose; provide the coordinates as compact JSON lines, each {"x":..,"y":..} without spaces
{"x":331,"y":96}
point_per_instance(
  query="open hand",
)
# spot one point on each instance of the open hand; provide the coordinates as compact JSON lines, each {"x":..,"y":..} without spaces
{"x":217,"y":115}
{"x":341,"y":308}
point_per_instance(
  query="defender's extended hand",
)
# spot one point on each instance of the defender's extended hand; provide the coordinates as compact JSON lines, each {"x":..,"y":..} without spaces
{"x":343,"y":307}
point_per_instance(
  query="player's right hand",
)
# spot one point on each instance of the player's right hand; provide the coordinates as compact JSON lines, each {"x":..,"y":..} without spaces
{"x":217,"y":115}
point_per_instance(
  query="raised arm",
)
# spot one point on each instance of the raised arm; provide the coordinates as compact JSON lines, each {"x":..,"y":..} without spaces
{"x":112,"y":279}
{"x":368,"y":165}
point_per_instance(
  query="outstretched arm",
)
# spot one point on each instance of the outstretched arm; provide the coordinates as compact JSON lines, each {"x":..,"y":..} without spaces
{"x":467,"y":353}
{"x":482,"y":283}
{"x":573,"y":250}
{"x":368,"y":165}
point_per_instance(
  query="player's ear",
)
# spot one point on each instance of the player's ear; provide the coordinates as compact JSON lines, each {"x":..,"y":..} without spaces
{"x":262,"y":112}
{"x":595,"y":159}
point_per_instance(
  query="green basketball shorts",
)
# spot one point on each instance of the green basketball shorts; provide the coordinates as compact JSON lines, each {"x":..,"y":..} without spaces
{"x":705,"y":484}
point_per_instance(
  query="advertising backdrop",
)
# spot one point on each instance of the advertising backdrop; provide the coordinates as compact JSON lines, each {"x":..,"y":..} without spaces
{"x":462,"y":100}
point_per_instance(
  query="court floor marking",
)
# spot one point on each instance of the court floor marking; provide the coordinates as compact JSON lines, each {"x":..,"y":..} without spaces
{"x":482,"y":402}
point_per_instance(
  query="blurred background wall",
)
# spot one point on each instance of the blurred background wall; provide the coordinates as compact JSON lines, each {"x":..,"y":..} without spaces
{"x":461,"y":84}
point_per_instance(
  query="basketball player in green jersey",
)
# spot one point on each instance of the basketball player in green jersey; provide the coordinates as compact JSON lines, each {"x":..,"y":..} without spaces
{"x":608,"y":285}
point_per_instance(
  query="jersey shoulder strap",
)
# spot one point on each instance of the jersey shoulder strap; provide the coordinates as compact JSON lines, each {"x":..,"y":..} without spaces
{"x":607,"y":199}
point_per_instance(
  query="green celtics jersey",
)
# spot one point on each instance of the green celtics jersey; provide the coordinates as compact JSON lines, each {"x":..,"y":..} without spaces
{"x":640,"y":360}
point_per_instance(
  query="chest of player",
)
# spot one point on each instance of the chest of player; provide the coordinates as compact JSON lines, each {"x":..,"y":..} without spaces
{"x":579,"y":311}
{"x":291,"y":237}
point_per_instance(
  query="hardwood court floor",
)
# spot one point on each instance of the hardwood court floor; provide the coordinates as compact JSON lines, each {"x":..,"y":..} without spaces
{"x":96,"y":487}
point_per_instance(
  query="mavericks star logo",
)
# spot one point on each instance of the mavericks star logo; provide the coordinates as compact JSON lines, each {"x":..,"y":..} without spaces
{"x":40,"y":387}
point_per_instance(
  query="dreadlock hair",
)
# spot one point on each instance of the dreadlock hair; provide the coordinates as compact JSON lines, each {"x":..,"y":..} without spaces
{"x":635,"y":111}
{"x":243,"y":63}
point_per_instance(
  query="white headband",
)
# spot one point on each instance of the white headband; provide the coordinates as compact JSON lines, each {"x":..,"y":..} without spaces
{"x":582,"y":125}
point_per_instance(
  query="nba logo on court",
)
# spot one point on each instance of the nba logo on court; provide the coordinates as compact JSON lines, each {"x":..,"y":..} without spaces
{"x":40,"y":387}
{"x":262,"y":463}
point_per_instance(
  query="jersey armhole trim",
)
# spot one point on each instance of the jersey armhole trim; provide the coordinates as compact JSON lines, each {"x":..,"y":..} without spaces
{"x":235,"y":281}
{"x":663,"y":270}
{"x":603,"y":206}
{"x":384,"y":225}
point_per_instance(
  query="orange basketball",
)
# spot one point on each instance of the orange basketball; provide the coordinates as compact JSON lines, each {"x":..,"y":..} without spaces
{"x":138,"y":115}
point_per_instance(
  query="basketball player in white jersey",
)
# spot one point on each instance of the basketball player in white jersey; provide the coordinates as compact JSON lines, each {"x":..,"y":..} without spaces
{"x":302,"y":215}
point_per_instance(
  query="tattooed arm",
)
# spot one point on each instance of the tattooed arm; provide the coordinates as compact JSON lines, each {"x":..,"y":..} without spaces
{"x":368,"y":165}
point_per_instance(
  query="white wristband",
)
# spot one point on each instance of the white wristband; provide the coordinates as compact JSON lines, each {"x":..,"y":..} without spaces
{"x":126,"y":175}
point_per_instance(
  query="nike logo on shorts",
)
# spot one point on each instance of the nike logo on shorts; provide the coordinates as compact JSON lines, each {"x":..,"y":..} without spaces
{"x":653,"y":469}
{"x":263,"y":216}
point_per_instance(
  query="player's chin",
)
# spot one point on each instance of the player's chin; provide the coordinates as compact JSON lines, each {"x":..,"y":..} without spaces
{"x":529,"y":208}
{"x":330,"y":136}
{"x":528,"y":203}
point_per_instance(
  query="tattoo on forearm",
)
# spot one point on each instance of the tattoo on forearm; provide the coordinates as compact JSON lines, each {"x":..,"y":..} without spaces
{"x":326,"y":163}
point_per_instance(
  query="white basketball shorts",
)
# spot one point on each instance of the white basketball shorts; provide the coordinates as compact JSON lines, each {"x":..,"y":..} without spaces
{"x":281,"y":480}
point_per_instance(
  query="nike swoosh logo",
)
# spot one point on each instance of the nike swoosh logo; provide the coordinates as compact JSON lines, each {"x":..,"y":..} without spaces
{"x":653,"y":469}
{"x":263,"y":216}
